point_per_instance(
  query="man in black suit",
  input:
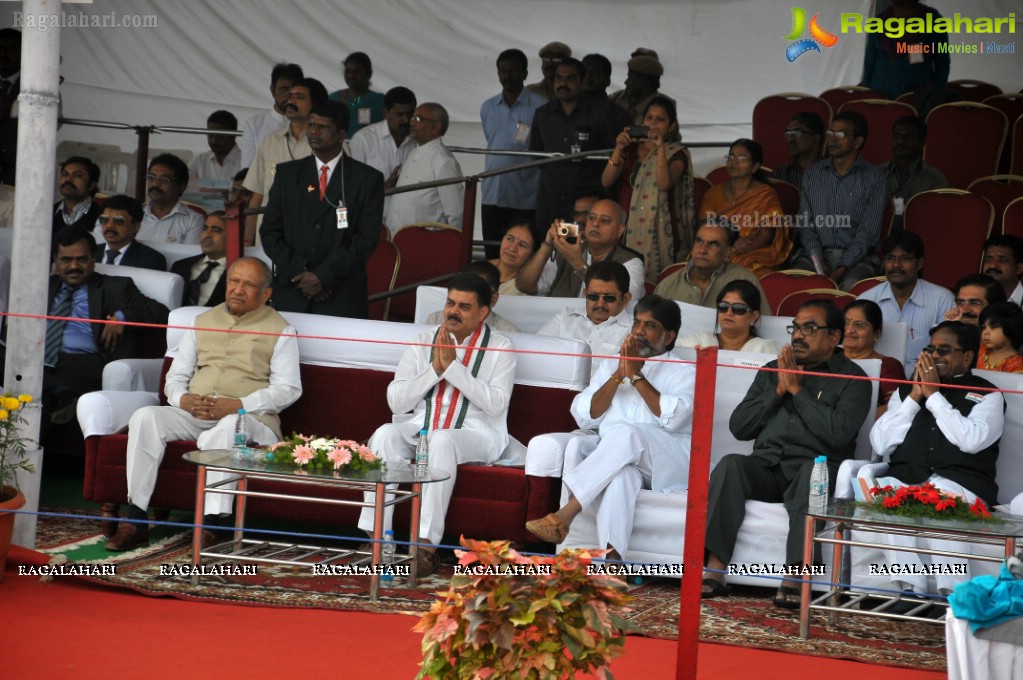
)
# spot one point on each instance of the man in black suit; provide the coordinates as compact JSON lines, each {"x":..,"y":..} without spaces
{"x":79,"y":177}
{"x":76,"y":351}
{"x":119,"y":223}
{"x":322,"y":223}
{"x":10,"y":88}
{"x":204,"y":274}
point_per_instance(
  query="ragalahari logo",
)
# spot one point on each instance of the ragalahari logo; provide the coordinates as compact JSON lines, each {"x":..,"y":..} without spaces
{"x":817,"y":35}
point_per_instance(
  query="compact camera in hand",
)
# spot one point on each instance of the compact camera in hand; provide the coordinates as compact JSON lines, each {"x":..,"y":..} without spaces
{"x":639,"y":131}
{"x":568,"y":230}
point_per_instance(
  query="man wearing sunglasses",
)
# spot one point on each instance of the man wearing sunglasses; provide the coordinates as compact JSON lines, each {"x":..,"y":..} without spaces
{"x":119,"y":224}
{"x":603,"y":322}
{"x":943,"y":429}
{"x":792,"y":417}
{"x":165,"y":218}
{"x":803,"y":135}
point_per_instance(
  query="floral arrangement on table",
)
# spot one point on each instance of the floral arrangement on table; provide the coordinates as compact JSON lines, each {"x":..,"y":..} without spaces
{"x":547,"y":619}
{"x":12,"y":443}
{"x":927,"y":500}
{"x":321,"y":453}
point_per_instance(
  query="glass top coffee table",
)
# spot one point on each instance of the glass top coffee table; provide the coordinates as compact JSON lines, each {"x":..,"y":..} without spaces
{"x":327,"y":559}
{"x":845,"y":516}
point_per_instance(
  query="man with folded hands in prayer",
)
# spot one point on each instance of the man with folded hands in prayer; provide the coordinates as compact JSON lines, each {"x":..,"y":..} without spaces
{"x":450,"y":384}
{"x":793,"y":417}
{"x":213,"y":376}
{"x":643,"y":412}
{"x":943,"y":429}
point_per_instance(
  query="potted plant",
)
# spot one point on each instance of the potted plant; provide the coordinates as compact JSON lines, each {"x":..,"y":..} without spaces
{"x":12,"y":459}
{"x":515,"y":617}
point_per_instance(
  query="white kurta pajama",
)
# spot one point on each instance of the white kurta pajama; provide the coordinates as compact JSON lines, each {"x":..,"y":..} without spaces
{"x":635,"y":448}
{"x":152,"y":427}
{"x":483,"y":434}
{"x":971,"y":433}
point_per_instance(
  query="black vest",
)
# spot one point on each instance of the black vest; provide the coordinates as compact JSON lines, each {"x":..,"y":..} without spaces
{"x":568,"y":284}
{"x":925,"y":449}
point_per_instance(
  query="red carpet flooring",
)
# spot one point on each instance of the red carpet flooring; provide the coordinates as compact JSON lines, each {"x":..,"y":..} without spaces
{"x":70,"y":629}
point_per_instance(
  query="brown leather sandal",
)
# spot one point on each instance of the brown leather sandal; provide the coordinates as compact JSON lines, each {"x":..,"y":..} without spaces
{"x":548,"y":529}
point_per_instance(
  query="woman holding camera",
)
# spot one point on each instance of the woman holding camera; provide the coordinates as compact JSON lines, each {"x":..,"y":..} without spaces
{"x":753,"y":207}
{"x":657,"y":187}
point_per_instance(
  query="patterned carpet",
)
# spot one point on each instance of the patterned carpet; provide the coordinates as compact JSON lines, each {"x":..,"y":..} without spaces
{"x":746,"y":619}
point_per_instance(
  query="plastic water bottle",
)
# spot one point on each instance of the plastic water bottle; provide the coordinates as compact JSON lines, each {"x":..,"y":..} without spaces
{"x":387,"y":557}
{"x":240,"y":448}
{"x":422,"y":452}
{"x":819,"y":486}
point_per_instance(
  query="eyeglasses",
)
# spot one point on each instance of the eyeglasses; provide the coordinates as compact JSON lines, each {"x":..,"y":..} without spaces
{"x":837,"y":134}
{"x":160,"y":179}
{"x":972,"y":302}
{"x":738,"y":308}
{"x":807,"y":329}
{"x":733,"y":157}
{"x":898,"y":259}
{"x":795,"y":134}
{"x":116,"y":219}
{"x":420,"y":119}
{"x":858,"y":325}
{"x":609,"y":298}
{"x":942,"y":350}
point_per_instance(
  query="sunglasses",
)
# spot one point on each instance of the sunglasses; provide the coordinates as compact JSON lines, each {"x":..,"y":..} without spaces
{"x":609,"y":298}
{"x":116,"y":219}
{"x":942,"y":350}
{"x":738,"y":308}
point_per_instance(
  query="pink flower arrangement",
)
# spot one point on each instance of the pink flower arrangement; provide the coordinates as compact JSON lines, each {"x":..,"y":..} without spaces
{"x":320,"y":453}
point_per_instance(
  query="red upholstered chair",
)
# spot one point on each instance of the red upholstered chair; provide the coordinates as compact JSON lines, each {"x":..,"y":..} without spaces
{"x":778,"y":285}
{"x":1012,"y":106}
{"x":881,"y":115}
{"x":792,"y":302}
{"x":381,"y":273}
{"x":837,"y":96}
{"x":1001,"y":190}
{"x":863,"y":285}
{"x":907,"y":98}
{"x":788,"y":196}
{"x":669,"y":270}
{"x":1012,"y":220}
{"x":964,"y":141}
{"x":1016,"y":159}
{"x":429,"y":250}
{"x":717,"y":176}
{"x":195,"y":207}
{"x":772,"y":113}
{"x":973,"y":90}
{"x":953,"y":225}
{"x":700,"y":187}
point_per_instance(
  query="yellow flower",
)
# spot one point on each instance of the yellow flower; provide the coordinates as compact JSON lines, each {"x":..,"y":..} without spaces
{"x":25,"y":398}
{"x":4,"y":415}
{"x":10,"y":403}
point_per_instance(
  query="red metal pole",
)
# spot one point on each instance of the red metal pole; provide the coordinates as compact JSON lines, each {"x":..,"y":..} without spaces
{"x":468,"y":218}
{"x":141,"y":163}
{"x":696,"y":513}
{"x":235,"y":222}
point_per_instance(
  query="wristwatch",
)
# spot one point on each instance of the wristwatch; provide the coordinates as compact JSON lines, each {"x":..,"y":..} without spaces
{"x":636,"y":378}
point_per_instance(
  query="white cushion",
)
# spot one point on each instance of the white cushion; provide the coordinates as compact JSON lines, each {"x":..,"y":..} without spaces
{"x":164,"y":287}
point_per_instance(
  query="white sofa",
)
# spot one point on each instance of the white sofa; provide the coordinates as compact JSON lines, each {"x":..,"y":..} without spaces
{"x":659,"y":530}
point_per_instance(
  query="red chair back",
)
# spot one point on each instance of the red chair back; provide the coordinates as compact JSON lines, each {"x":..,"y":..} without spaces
{"x":953,"y":225}
{"x":907,"y":98}
{"x":1012,"y":220}
{"x":863,"y":285}
{"x":788,"y":196}
{"x":1016,"y":159}
{"x":779,"y":285}
{"x":837,"y":96}
{"x":973,"y":90}
{"x":964,"y":141}
{"x":1001,"y":190}
{"x":772,"y":113}
{"x":671,"y":269}
{"x":792,"y":302}
{"x":381,"y":274}
{"x":430,"y":250}
{"x":717,"y":176}
{"x":700,"y":187}
{"x":881,"y":115}
{"x":1012,"y":106}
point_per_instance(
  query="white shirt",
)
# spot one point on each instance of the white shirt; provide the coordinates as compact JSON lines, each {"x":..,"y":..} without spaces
{"x":924,"y":310}
{"x":708,"y":339}
{"x":331,"y":164}
{"x":637,"y":277}
{"x":429,"y":162}
{"x":180,"y":225}
{"x":488,"y":394}
{"x":206,"y":166}
{"x":374,"y":145}
{"x":603,"y":338}
{"x":206,"y":289}
{"x":254,"y":130}
{"x":970,"y":434}
{"x":284,"y":388}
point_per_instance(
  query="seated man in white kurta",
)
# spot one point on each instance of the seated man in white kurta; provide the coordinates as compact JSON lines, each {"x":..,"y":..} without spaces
{"x":643,"y":411}
{"x":458,"y":391}
{"x":941,"y":431}
{"x":213,"y":376}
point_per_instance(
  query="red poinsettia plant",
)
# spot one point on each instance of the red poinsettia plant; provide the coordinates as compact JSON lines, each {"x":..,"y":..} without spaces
{"x":510,"y":616}
{"x":927,"y":500}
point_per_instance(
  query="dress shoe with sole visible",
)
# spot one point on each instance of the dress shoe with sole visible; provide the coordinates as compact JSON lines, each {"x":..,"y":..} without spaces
{"x":128,"y":536}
